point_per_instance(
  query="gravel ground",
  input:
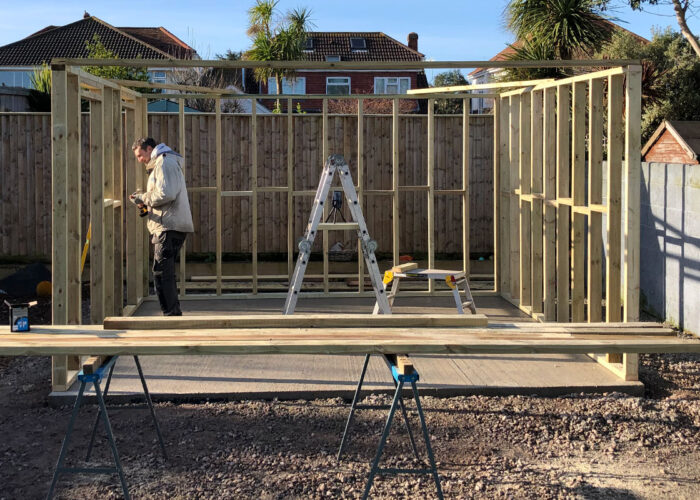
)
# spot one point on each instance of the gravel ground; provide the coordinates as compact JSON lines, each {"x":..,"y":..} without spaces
{"x":580,"y":446}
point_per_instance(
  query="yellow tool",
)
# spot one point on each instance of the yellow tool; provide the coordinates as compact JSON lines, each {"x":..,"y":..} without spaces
{"x":85,"y":249}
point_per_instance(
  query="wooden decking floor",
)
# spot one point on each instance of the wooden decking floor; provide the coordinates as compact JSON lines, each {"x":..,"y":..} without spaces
{"x":320,"y":376}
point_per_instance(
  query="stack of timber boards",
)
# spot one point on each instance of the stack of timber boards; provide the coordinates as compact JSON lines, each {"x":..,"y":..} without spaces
{"x":191,"y":335}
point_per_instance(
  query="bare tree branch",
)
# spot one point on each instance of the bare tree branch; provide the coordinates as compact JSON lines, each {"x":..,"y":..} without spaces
{"x":681,"y":8}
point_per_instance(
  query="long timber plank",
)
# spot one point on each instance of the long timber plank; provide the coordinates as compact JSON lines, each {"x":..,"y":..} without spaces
{"x":296,"y":321}
{"x":57,"y":340}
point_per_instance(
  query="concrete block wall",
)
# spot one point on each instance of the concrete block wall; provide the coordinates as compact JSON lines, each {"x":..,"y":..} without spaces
{"x":670,"y":243}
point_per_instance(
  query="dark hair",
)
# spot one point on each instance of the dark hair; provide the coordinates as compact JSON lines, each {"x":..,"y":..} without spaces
{"x":143,"y":143}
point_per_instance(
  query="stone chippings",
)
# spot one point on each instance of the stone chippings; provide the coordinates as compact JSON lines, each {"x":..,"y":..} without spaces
{"x":577,"y":446}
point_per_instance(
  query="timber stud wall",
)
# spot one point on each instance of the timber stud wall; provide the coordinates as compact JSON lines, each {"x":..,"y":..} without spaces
{"x":550,"y":209}
{"x":542,"y":210}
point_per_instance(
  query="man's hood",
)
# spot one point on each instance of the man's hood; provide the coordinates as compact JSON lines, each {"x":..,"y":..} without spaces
{"x":160,"y":149}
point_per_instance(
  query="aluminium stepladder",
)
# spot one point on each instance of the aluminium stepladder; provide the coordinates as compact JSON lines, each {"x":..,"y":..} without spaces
{"x":336,"y":164}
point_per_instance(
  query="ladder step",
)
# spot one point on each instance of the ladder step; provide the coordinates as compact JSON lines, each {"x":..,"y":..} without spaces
{"x":337,"y":226}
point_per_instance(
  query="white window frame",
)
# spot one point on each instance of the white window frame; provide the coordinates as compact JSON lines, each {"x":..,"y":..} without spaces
{"x":384,"y":82}
{"x":333,"y":58}
{"x":346,"y":82}
{"x":158,"y":76}
{"x":289,"y":86}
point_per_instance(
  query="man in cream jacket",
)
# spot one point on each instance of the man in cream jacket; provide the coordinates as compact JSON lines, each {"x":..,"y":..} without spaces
{"x":169,"y":216}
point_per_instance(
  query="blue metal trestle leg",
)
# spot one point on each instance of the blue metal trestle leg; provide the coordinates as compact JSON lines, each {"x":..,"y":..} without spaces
{"x":356,"y":406}
{"x":400,"y":380}
{"x":95,"y":380}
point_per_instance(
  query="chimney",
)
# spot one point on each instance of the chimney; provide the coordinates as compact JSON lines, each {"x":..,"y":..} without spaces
{"x":413,"y":41}
{"x":86,"y":15}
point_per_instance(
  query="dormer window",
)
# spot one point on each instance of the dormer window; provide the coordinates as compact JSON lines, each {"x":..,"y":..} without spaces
{"x":358,"y":44}
{"x":333,"y":58}
{"x":309,"y":44}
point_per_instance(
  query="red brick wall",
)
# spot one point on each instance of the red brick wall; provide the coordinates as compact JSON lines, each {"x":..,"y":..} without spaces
{"x":360,"y":83}
{"x":667,"y":150}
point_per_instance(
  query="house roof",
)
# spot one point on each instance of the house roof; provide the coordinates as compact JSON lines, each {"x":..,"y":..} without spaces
{"x":69,"y":41}
{"x":506,"y":53}
{"x":162,"y":39}
{"x":687,"y":133}
{"x":379,"y":47}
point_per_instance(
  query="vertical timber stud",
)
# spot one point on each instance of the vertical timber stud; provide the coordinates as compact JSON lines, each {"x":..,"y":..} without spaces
{"x":97,"y":305}
{"x":117,"y":127}
{"x":74,"y":242}
{"x":466,"y":159}
{"x":496,"y":194}
{"x":578,"y":164}
{"x":108,"y":182}
{"x":325,"y":153}
{"x":360,"y":183}
{"x":564,"y":211}
{"x":395,"y":181}
{"x":633,"y":100}
{"x":550,"y":210}
{"x":525,"y":203}
{"x":290,"y":188}
{"x":595,"y":197}
{"x":633,"y":167}
{"x":614,"y":197}
{"x":132,"y":217}
{"x":219,"y":154}
{"x":146,"y":247}
{"x":59,"y":249}
{"x":536,"y":187}
{"x":73,"y":204}
{"x":254,"y":188}
{"x":141,"y":107}
{"x":431,"y":189}
{"x":503,"y":152}
{"x":514,"y":226}
{"x":183,"y":152}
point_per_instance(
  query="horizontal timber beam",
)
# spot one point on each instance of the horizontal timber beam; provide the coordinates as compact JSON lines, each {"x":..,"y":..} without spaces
{"x":397,"y":65}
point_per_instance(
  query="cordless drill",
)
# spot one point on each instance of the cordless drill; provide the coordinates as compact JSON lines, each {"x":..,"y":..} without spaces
{"x":135,"y":198}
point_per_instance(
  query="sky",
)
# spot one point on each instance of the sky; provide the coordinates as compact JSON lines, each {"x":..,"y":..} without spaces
{"x":468,"y":30}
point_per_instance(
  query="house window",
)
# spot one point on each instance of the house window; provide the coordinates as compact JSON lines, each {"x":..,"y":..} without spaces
{"x":358,"y":44}
{"x":333,"y":58}
{"x":157,"y":76}
{"x":338,"y":85}
{"x":16,"y":79}
{"x":392,"y":85}
{"x":309,"y":44}
{"x":289,"y":85}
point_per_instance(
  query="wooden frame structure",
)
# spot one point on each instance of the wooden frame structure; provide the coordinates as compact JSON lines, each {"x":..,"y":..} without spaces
{"x":531,"y":155}
{"x":552,"y":199}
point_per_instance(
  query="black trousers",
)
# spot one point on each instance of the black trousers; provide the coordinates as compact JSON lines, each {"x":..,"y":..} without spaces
{"x":165,"y":251}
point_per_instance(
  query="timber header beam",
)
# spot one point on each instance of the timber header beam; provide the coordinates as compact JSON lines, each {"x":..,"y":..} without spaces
{"x":349,"y":65}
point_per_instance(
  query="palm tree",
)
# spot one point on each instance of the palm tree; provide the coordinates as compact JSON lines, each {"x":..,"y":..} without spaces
{"x":531,"y":50}
{"x":276,"y":40}
{"x":569,"y":27}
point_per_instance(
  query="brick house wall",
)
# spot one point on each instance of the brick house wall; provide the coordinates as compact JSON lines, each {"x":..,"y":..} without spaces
{"x":667,"y":150}
{"x":361,"y":82}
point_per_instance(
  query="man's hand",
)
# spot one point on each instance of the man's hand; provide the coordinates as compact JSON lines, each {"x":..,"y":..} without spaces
{"x":135,"y":198}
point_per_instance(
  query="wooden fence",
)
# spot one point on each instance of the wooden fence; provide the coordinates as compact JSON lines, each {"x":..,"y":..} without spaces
{"x":25,"y":177}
